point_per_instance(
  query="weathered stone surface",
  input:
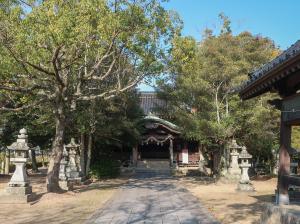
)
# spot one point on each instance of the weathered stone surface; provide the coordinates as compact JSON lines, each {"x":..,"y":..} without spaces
{"x":66,"y":185}
{"x":234,"y":169}
{"x":244,"y":183}
{"x":245,"y":187}
{"x":73,"y":172}
{"x":19,"y":190}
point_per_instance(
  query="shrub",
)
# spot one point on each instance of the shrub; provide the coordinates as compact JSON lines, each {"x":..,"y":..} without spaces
{"x":105,"y":169}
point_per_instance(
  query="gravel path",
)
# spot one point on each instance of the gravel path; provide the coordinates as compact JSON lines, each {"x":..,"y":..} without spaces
{"x":150,"y":198}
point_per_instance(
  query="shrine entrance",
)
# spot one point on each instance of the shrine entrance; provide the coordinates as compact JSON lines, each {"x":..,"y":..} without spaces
{"x":154,"y":151}
{"x":157,"y":142}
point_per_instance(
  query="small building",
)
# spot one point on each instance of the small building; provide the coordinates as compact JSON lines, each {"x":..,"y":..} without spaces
{"x":281,"y":75}
{"x":161,"y":139}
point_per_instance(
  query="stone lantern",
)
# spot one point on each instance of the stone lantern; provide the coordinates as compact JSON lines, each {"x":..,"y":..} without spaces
{"x":73,"y":171}
{"x":19,"y":187}
{"x":244,"y":183}
{"x":63,"y":179}
{"x":234,"y":168}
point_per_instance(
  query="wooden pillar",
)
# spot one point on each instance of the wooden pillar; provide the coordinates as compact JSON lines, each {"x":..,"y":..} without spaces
{"x":171,"y":152}
{"x":284,"y":163}
{"x":134,"y":155}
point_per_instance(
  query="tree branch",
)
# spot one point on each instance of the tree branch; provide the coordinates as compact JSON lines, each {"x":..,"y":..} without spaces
{"x":17,"y":109}
{"x":111,"y":93}
{"x":108,"y":72}
{"x":106,"y":55}
{"x":23,"y":64}
{"x":56,"y":71}
{"x":19,"y":89}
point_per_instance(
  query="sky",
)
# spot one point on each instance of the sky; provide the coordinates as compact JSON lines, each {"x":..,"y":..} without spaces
{"x":276,"y":19}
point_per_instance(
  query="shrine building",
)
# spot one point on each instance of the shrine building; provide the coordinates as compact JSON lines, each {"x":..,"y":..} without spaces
{"x":282,"y":76}
{"x":161,"y":139}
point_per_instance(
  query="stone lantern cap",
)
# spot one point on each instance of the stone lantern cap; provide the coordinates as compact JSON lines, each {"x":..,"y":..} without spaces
{"x":244,"y":154}
{"x":22,"y":142}
{"x":234,"y":145}
{"x":72,"y":144}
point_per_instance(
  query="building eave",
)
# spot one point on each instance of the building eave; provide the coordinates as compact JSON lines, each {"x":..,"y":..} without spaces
{"x":167,"y":124}
{"x":264,"y":79}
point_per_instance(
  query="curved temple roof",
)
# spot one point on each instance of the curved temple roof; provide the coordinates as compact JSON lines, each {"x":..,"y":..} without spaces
{"x":262,"y":79}
{"x":166,"y":123}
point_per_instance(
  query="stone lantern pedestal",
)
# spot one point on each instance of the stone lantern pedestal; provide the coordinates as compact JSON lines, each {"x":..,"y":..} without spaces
{"x":18,"y":189}
{"x":244,"y":183}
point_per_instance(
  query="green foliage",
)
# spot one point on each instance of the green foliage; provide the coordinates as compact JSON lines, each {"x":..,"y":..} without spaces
{"x":200,"y":84}
{"x":105,"y":168}
{"x":70,"y":63}
{"x":296,"y":137}
{"x":114,"y":122}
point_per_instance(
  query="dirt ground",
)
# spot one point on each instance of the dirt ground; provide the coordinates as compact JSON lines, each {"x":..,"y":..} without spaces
{"x":229,"y":206}
{"x":221,"y":199}
{"x":71,"y":207}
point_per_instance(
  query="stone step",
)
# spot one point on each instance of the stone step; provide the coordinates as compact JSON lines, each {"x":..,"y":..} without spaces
{"x":152,"y":171}
{"x":156,"y":164}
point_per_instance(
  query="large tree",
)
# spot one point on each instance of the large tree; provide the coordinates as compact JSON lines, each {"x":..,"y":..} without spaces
{"x":200,"y":89}
{"x":58,"y":53}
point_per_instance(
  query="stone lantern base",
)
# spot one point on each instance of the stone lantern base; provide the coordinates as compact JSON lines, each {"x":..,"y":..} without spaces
{"x":17,"y":195}
{"x":66,"y":185}
{"x":245,"y":187}
{"x":230,"y":178}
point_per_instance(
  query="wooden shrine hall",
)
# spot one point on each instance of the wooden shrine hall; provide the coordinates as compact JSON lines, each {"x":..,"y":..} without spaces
{"x":161,"y":139}
{"x":281,"y":75}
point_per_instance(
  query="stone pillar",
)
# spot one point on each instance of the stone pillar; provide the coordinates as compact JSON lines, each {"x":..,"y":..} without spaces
{"x":134,"y":155}
{"x":282,"y":196}
{"x":171,"y":152}
{"x":234,"y":168}
{"x":19,"y":188}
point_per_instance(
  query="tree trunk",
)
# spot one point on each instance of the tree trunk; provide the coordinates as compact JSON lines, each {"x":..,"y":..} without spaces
{"x":7,"y":156}
{"x":89,"y":154}
{"x":43,"y":158}
{"x":201,"y":159}
{"x":82,"y":154}
{"x":57,"y":151}
{"x":227,"y":106}
{"x":217,"y":106}
{"x":33,"y":162}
